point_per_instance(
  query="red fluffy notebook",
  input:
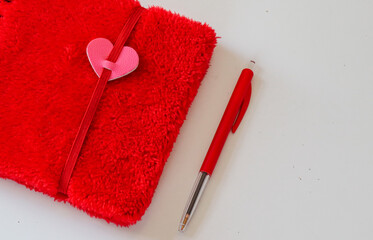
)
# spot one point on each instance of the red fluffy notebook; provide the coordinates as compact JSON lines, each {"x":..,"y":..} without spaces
{"x":46,"y":83}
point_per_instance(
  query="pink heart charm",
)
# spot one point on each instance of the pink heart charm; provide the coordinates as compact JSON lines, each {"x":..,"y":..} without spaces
{"x":98,"y":51}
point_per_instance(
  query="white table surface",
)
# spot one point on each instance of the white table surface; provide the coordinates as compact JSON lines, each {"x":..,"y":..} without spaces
{"x":300,"y":165}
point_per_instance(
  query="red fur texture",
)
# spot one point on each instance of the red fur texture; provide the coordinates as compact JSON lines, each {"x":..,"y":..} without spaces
{"x":46,"y":82}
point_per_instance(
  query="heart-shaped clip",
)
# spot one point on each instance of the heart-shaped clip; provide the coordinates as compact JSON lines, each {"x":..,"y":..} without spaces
{"x":98,"y":51}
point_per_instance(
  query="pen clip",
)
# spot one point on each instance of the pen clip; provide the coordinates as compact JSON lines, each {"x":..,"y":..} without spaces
{"x":242,"y":109}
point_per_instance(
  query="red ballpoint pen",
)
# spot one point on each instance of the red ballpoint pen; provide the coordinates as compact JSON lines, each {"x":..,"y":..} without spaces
{"x":231,"y":119}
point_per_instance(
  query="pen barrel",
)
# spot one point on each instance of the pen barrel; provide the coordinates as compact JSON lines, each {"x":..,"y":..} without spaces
{"x":193,"y":200}
{"x":227,"y":121}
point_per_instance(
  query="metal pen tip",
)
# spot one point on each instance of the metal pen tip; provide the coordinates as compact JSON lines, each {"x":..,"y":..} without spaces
{"x":184,"y":223}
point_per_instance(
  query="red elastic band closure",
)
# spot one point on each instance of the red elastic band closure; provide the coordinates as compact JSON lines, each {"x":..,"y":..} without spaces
{"x":95,"y":99}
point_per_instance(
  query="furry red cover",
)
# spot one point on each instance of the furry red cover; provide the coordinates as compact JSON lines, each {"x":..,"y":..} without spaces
{"x":46,"y":82}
